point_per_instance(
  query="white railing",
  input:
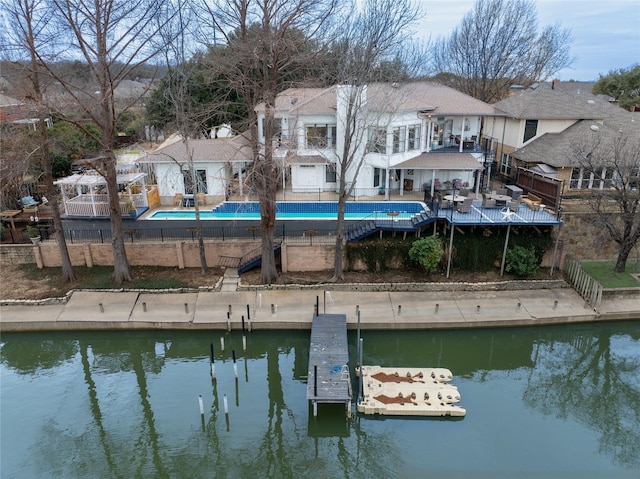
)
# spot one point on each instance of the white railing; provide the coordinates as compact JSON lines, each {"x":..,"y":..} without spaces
{"x":588,"y":287}
{"x":98,"y":205}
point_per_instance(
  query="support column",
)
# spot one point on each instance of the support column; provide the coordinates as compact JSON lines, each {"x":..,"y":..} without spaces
{"x":180,"y":254}
{"x":88,"y":258}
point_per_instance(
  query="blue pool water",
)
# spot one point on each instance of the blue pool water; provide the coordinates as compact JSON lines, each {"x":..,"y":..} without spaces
{"x":293,"y":210}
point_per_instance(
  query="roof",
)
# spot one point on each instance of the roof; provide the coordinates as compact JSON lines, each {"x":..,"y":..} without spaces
{"x":441,"y":161}
{"x":421,"y":96}
{"x":562,"y":101}
{"x":555,"y":149}
{"x":95,"y":179}
{"x":237,"y":148}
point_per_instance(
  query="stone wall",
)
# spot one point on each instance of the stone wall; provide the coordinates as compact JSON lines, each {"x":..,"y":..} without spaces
{"x":17,"y":254}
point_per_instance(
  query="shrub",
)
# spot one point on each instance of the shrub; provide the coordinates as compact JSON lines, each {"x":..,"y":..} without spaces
{"x":522,"y":261}
{"x":427,"y":252}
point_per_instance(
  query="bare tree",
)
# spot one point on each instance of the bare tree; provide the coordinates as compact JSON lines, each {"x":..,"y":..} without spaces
{"x":113,"y":38}
{"x":611,"y":162}
{"x":29,"y":22}
{"x":189,"y":116}
{"x":498,"y":44}
{"x":266,"y":42}
{"x":376,"y":32}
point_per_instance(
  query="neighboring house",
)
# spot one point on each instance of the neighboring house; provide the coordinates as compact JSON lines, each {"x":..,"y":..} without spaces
{"x":539,"y":127}
{"x":415,"y":135}
{"x":218,"y":163}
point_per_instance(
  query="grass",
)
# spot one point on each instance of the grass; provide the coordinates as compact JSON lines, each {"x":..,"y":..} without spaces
{"x":101,"y":277}
{"x":602,"y":271}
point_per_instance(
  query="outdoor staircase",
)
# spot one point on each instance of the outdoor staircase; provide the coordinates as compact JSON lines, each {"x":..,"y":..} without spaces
{"x":253,"y":259}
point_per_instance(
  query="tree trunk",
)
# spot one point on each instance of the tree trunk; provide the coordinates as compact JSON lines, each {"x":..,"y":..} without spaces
{"x":338,"y":265}
{"x":623,"y":255}
{"x":53,"y":197}
{"x":203,"y":257}
{"x":121,"y":271}
{"x":268,"y":270}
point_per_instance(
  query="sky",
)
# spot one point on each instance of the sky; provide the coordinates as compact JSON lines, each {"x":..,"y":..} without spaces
{"x":605,"y":33}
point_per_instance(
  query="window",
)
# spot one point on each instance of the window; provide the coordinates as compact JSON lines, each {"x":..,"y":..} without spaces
{"x":399,"y":139}
{"x":200,"y":185}
{"x":576,"y":174}
{"x":330,"y":173}
{"x":321,"y":136}
{"x":530,"y":130}
{"x":379,"y":177}
{"x":414,"y":137}
{"x":505,"y":166}
{"x":377,"y":140}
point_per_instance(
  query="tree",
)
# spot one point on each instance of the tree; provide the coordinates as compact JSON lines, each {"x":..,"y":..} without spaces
{"x":268,"y":43}
{"x":427,"y":252}
{"x":612,"y":158}
{"x":623,"y":85}
{"x":496,"y":45}
{"x":30,"y":29}
{"x":113,"y":38}
{"x":374,"y":36}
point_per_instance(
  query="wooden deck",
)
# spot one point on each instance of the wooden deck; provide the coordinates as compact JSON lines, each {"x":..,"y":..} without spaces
{"x":329,"y":359}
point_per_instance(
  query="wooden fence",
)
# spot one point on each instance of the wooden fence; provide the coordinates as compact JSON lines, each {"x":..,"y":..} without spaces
{"x":588,"y":287}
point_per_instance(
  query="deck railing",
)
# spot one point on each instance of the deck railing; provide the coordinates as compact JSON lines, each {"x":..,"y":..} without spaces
{"x":589,"y":288}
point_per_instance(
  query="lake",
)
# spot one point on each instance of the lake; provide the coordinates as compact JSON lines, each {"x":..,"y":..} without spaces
{"x":561,"y":401}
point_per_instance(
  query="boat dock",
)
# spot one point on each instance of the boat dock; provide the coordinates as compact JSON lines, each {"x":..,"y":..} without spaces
{"x":408,"y":392}
{"x":329,"y":379}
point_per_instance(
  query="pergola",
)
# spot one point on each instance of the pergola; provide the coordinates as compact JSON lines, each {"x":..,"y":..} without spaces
{"x":85,"y":194}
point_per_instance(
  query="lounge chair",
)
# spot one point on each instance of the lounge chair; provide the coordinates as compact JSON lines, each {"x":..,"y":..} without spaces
{"x":200,"y":198}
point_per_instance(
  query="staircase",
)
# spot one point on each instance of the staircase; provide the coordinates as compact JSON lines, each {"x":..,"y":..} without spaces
{"x":253,"y":259}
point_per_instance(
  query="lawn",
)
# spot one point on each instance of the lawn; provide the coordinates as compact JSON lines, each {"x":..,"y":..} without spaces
{"x":602,"y":271}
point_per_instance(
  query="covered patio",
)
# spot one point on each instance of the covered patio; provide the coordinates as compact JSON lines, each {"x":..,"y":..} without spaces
{"x":441,"y":172}
{"x":85,"y":194}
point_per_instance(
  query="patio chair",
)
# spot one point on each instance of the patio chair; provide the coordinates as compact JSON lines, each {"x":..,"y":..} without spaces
{"x":464,"y":192}
{"x":513,"y":205}
{"x":177,"y":199}
{"x":464,"y":206}
{"x":487,"y":201}
{"x":502,"y":191}
{"x":200,"y":198}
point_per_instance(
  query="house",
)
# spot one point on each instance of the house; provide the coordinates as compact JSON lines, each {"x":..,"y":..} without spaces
{"x":540,"y":125}
{"x":413,"y":136}
{"x":209,"y":166}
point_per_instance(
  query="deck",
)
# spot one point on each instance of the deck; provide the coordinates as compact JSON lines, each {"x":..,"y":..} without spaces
{"x":409,"y":392}
{"x":329,"y":380}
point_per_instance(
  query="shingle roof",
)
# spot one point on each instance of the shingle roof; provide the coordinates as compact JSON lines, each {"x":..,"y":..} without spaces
{"x":395,"y":97}
{"x":556,"y":149}
{"x":568,"y":100}
{"x":237,"y":148}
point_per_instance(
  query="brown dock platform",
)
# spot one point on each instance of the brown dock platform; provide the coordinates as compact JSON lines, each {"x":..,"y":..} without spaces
{"x":329,"y":380}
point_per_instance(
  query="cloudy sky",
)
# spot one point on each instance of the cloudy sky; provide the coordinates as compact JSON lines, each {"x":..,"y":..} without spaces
{"x":605,"y":33}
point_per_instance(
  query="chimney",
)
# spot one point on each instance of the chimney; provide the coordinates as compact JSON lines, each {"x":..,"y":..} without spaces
{"x":554,"y":83}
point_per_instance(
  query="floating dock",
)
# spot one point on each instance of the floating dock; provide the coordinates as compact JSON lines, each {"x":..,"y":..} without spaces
{"x":408,"y":392}
{"x":329,"y":379}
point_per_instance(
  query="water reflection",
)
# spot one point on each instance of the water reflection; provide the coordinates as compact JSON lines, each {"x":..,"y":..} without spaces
{"x":126,"y":405}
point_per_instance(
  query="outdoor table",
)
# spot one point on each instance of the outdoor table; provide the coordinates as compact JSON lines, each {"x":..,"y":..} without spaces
{"x":9,"y":215}
{"x":501,"y":198}
{"x":456,"y":199}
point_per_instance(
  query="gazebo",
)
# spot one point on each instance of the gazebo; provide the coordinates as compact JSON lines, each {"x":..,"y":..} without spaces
{"x":85,"y":194}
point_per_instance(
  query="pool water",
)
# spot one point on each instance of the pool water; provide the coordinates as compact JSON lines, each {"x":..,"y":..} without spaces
{"x":293,"y":210}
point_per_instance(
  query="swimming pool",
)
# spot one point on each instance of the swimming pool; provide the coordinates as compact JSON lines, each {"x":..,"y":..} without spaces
{"x":296,"y":210}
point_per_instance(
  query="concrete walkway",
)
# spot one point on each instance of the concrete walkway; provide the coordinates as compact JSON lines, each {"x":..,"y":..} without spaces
{"x":293,"y":309}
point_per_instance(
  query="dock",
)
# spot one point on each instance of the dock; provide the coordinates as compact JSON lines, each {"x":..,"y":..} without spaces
{"x":329,"y":380}
{"x":408,"y":392}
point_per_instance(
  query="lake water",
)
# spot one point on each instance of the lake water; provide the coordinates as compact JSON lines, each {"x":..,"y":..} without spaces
{"x":552,"y":402}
